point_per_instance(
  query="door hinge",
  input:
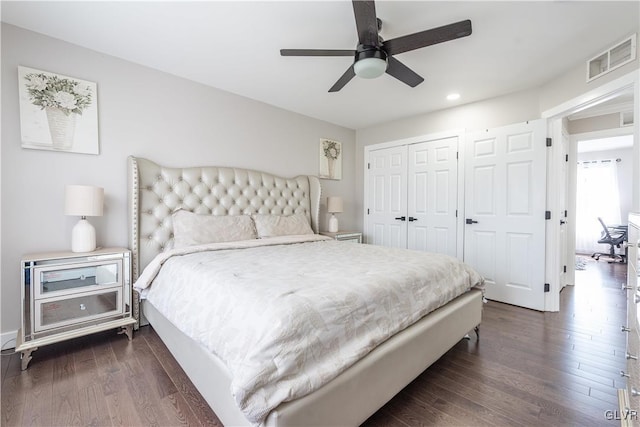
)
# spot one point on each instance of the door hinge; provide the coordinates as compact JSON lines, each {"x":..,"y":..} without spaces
{"x":457,"y":154}
{"x":456,"y":213}
{"x":368,"y":165}
{"x":549,"y":140}
{"x":564,"y":269}
{"x":546,"y":287}
{"x":547,"y":215}
{"x":367,"y":211}
{"x":566,"y":157}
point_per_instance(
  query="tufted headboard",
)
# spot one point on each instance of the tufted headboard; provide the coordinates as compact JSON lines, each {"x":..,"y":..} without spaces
{"x":156,"y":191}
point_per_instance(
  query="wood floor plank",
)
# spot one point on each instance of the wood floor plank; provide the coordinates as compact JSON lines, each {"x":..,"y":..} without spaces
{"x":178,"y":411}
{"x":444,"y":406}
{"x":541,"y":376}
{"x":86,"y":369}
{"x":417,"y":413}
{"x":94,"y":410}
{"x":154,"y":371}
{"x":38,"y":388}
{"x":145,"y":401}
{"x":529,"y":388}
{"x":197,"y":404}
{"x":122,"y":409}
{"x":12,"y":398}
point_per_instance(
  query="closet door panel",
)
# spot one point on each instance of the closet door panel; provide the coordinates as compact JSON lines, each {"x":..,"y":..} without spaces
{"x":387,"y":194}
{"x":432,"y":195}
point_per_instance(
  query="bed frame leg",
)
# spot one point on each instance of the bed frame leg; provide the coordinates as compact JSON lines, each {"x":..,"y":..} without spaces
{"x":477,"y":331}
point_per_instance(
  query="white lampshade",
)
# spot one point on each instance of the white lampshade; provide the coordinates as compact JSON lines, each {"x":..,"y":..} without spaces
{"x":334,"y":204}
{"x":370,"y":68}
{"x":83,"y":200}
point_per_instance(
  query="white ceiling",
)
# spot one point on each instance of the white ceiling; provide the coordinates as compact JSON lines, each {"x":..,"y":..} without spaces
{"x":235,"y":46}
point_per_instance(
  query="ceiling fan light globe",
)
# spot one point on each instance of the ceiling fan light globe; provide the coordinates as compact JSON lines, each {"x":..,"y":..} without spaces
{"x":370,"y":68}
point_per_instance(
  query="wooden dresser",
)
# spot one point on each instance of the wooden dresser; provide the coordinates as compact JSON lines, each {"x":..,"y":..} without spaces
{"x":629,"y":398}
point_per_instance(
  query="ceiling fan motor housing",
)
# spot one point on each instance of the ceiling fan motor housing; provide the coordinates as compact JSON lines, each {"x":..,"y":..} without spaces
{"x":370,"y":61}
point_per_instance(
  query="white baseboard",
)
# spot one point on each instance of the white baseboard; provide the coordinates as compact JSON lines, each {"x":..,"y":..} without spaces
{"x":8,"y":340}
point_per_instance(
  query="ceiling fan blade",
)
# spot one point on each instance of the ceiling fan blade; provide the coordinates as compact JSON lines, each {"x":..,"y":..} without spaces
{"x":366,"y":22}
{"x":346,"y":77}
{"x":403,"y":73}
{"x":428,"y":37}
{"x":317,"y":52}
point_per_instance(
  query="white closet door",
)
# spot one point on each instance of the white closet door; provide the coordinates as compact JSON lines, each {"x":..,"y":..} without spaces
{"x":505,"y":186}
{"x":387,"y":210}
{"x":432,"y":196}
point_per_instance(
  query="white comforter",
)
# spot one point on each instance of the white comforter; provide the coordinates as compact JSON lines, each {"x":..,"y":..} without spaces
{"x":288,"y":314}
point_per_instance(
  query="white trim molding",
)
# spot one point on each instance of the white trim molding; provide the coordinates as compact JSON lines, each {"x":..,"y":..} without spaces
{"x":593,"y":97}
{"x":8,"y":340}
{"x":601,"y":110}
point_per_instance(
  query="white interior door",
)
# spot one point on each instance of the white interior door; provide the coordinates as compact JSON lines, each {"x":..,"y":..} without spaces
{"x":505,"y":186}
{"x":387,"y":204}
{"x":432,"y":196}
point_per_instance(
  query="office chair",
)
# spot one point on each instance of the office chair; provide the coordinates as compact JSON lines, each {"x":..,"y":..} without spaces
{"x":614,"y":237}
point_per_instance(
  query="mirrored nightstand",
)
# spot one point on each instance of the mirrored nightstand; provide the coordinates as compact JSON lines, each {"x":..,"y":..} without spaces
{"x":67,"y":295}
{"x":344,"y":236}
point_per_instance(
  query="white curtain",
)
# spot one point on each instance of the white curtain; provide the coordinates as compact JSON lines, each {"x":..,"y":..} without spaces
{"x":597,"y":196}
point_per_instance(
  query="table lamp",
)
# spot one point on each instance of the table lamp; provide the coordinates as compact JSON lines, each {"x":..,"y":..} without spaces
{"x":334,"y":206}
{"x":83,"y":201}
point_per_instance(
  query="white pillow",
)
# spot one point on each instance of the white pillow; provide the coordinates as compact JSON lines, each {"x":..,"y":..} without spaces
{"x":278,"y":225}
{"x":194,"y":229}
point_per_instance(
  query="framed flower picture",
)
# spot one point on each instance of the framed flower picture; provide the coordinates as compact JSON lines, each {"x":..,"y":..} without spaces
{"x":330,"y":159}
{"x":57,"y":113}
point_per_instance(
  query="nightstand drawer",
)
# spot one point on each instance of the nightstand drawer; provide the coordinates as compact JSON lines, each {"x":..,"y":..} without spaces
{"x":76,"y":278}
{"x":62,"y":311}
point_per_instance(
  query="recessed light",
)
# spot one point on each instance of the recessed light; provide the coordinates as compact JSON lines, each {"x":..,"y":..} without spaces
{"x":453,"y":96}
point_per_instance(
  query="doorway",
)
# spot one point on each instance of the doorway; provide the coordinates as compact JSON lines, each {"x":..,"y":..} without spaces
{"x":566,"y":117}
{"x":603,"y":190}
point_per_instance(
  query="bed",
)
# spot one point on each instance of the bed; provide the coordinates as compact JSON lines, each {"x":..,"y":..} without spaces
{"x":361,"y":386}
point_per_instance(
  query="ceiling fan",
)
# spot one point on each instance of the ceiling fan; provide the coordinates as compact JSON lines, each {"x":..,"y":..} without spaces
{"x":374,"y":56}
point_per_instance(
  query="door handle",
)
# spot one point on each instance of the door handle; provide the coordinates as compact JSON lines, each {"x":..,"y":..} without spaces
{"x":562,"y":221}
{"x":411,"y":219}
{"x":401,"y":218}
{"x":470,"y":221}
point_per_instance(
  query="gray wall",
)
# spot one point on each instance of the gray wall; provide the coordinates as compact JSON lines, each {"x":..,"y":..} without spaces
{"x":594,"y":124}
{"x":145,"y":113}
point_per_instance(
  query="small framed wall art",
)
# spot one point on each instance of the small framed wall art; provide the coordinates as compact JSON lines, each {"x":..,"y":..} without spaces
{"x":57,"y":113}
{"x":330,"y":159}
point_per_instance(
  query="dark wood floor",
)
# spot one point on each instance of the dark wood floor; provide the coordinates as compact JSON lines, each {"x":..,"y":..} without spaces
{"x":528,"y":369}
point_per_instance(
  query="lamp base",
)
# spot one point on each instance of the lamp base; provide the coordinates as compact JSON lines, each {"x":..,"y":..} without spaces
{"x":83,"y":237}
{"x":333,"y":223}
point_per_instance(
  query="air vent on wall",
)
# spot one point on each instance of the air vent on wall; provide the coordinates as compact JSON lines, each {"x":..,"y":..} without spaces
{"x":612,"y":58}
{"x":626,"y":118}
